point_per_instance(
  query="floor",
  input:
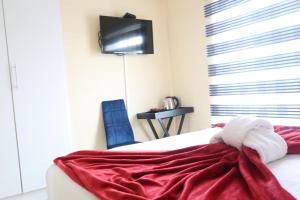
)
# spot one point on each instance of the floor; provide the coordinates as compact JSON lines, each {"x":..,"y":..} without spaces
{"x":35,"y":195}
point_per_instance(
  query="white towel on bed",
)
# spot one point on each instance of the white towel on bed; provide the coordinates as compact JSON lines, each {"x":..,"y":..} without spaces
{"x":255,"y":133}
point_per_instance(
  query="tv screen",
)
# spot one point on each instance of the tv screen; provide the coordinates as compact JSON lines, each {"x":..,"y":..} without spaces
{"x":125,"y":35}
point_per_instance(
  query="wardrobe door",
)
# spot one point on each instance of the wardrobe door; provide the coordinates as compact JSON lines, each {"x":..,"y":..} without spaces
{"x":36,"y":53}
{"x":10,"y":183}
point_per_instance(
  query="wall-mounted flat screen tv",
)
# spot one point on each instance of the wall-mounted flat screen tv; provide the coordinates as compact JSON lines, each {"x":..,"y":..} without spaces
{"x":125,"y":36}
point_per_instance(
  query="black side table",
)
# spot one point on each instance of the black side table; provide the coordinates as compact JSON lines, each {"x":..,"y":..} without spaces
{"x":181,"y":111}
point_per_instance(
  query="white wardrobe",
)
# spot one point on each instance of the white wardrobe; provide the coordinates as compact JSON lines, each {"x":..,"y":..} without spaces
{"x":34,"y":123}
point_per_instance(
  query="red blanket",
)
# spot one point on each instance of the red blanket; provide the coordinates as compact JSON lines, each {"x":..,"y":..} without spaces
{"x":211,"y":171}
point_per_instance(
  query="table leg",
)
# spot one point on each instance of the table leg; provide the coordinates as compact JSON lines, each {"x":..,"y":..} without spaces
{"x":152,"y":128}
{"x":180,"y":124}
{"x":166,"y":134}
{"x":169,"y":124}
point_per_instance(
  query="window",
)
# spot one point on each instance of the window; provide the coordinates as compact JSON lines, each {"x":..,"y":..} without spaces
{"x":254,"y":59}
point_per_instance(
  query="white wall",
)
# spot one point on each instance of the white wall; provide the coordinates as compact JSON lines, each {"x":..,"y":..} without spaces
{"x":187,"y":42}
{"x":178,"y":66}
{"x":94,"y":77}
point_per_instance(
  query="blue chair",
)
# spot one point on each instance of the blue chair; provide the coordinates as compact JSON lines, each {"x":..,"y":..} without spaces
{"x":116,"y":123}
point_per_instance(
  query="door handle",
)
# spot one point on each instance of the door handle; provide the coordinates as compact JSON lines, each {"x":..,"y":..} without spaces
{"x":14,"y":76}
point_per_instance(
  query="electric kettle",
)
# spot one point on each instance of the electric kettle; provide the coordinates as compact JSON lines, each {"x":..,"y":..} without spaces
{"x":171,"y":103}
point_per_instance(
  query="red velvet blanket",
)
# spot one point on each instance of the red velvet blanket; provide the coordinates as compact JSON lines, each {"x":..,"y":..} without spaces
{"x":211,"y":171}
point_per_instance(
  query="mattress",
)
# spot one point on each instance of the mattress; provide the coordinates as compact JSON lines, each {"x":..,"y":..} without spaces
{"x":61,"y":187}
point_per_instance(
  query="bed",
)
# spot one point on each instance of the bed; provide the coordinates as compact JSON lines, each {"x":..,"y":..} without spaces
{"x":61,"y":187}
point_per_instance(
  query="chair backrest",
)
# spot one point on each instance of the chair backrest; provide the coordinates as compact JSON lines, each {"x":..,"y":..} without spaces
{"x":116,"y":123}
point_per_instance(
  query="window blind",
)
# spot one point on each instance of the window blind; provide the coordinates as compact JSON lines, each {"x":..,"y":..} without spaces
{"x":253,"y":49}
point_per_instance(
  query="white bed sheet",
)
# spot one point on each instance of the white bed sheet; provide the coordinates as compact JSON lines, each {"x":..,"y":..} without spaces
{"x":61,"y":187}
